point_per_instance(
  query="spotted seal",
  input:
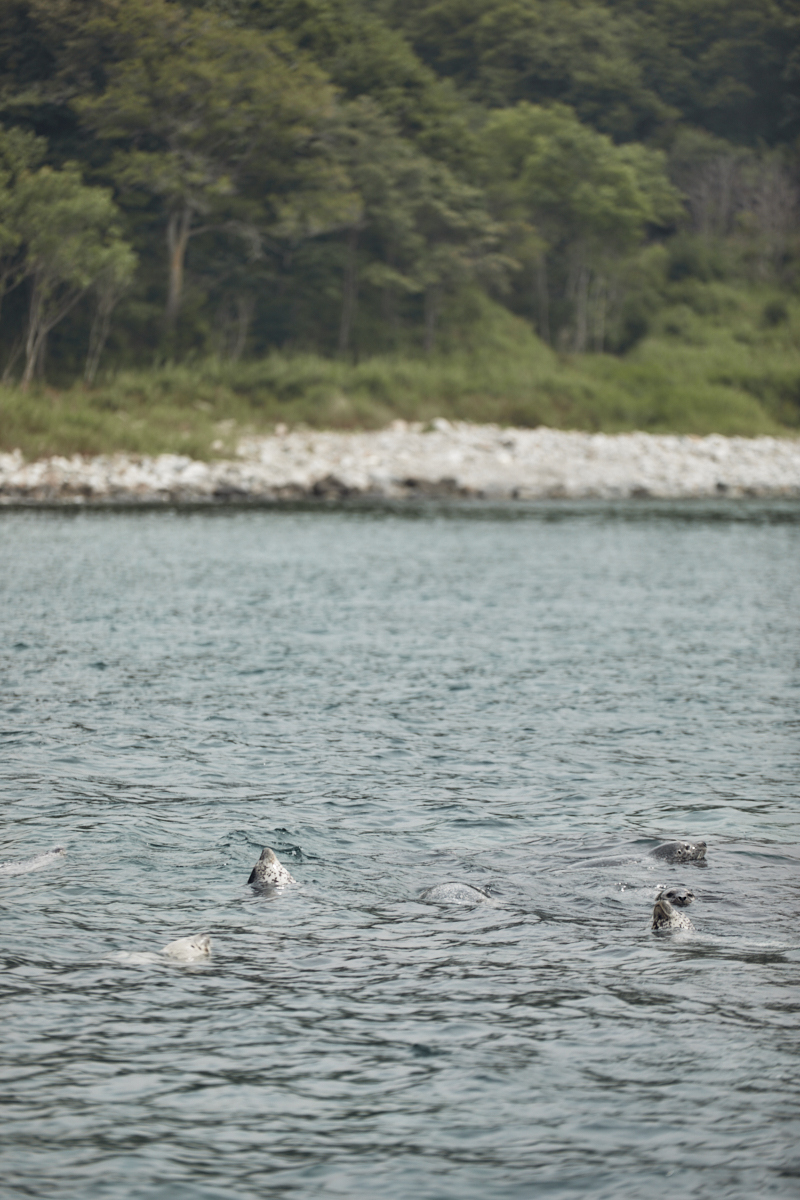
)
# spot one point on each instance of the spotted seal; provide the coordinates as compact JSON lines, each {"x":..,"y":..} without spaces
{"x":455,"y":893}
{"x":23,"y":865}
{"x":680,"y":852}
{"x":269,"y":872}
{"x":665,"y":910}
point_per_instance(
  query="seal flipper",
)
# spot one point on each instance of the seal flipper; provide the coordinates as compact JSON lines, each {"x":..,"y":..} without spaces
{"x":252,"y":878}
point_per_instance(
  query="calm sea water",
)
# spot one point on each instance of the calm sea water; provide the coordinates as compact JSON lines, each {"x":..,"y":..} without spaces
{"x":392,"y":699}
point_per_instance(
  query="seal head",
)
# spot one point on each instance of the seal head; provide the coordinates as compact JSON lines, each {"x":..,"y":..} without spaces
{"x":269,"y":872}
{"x":190,"y":949}
{"x":667,"y":916}
{"x":680,"y":852}
{"x":679,"y":897}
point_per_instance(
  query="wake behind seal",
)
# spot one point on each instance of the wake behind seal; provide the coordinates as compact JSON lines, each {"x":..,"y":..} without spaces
{"x":269,"y":871}
{"x":23,"y":865}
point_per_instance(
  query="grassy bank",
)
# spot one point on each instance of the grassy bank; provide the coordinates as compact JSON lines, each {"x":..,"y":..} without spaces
{"x":717,"y":360}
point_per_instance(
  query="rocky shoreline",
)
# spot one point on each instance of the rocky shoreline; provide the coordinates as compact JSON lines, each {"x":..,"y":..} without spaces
{"x":405,"y":461}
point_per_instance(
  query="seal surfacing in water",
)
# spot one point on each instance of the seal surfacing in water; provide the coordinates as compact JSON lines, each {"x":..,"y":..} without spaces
{"x":670,"y":852}
{"x":455,"y":893}
{"x":269,"y":872}
{"x":680,"y":852}
{"x":667,"y":916}
{"x":189,"y":949}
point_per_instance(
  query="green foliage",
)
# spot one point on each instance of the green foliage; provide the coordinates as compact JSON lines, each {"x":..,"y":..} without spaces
{"x":774,"y":313}
{"x":282,"y":181}
{"x":504,"y":51}
{"x":588,"y":203}
{"x":365,"y":57}
{"x":421,"y":230}
{"x":573,"y":183}
{"x":57,"y":233}
{"x":222,"y":128}
{"x":628,"y":67}
{"x":20,"y":152}
{"x":724,"y":65}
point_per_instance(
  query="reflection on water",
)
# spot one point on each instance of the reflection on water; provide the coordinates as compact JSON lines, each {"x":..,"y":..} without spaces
{"x":525,"y":700}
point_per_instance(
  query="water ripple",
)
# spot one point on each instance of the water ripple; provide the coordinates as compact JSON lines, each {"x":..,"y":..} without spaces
{"x":526,"y":700}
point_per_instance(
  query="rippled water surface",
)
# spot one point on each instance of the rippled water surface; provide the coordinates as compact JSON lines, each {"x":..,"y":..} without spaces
{"x":525,"y":700}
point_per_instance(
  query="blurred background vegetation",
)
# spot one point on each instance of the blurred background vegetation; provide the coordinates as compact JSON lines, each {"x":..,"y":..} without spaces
{"x":220,"y":215}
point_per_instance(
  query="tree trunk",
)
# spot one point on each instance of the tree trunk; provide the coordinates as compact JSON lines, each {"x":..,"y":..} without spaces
{"x":41,"y":355}
{"x":36,"y":332}
{"x":581,"y":308}
{"x":774,"y":204}
{"x":542,"y":299}
{"x":433,"y":304}
{"x":388,"y":308}
{"x":244,"y":314}
{"x":349,"y":292}
{"x":599,"y":308}
{"x":179,"y":230}
{"x":14,"y":354}
{"x":41,"y":320}
{"x":99,"y":332}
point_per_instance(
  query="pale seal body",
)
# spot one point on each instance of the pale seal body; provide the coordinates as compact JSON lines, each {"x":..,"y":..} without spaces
{"x":189,"y":949}
{"x":455,"y":893}
{"x":269,"y":872}
{"x":23,"y":865}
{"x":667,"y":916}
{"x":680,"y":852}
{"x":194,"y":948}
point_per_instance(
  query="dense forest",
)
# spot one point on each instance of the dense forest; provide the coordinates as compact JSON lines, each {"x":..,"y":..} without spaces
{"x":225,"y":181}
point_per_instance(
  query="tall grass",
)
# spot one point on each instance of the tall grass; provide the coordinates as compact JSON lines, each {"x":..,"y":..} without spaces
{"x":714,"y":362}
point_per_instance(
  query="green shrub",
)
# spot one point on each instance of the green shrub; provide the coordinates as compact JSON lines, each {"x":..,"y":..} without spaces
{"x":774,"y":313}
{"x":712,"y":366}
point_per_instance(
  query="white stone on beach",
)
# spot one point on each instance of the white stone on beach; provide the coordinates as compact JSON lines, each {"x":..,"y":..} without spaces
{"x":452,"y":458}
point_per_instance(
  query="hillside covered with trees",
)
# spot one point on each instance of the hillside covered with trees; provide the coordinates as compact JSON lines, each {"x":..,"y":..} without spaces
{"x":576,"y":212}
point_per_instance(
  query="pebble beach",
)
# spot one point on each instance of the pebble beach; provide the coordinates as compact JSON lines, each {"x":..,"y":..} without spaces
{"x":406,"y":461}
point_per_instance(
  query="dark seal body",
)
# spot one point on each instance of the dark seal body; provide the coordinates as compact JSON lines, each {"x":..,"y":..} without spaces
{"x":269,"y":872}
{"x":680,"y":852}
